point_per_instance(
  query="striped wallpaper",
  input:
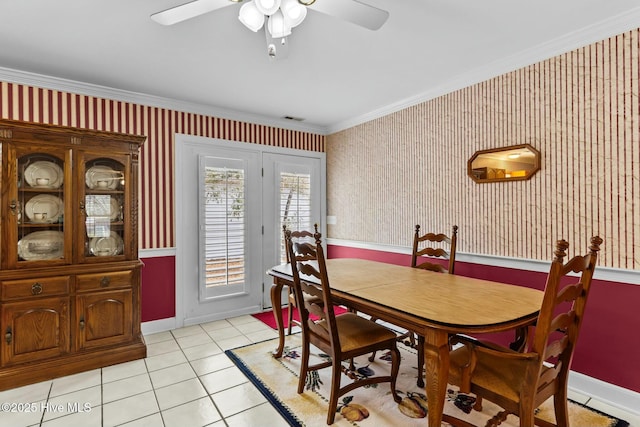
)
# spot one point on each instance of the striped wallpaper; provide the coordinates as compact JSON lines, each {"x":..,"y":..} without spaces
{"x":20,"y":102}
{"x":579,"y":109}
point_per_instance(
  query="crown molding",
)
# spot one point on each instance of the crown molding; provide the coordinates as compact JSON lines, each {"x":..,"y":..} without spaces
{"x":72,"y":86}
{"x":602,"y":30}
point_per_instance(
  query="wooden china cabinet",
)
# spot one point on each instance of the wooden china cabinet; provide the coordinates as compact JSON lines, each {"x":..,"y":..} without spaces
{"x":69,"y":267}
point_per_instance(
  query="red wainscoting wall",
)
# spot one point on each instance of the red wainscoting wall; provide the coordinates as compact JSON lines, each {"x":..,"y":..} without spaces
{"x":158,"y":288}
{"x":609,"y":331}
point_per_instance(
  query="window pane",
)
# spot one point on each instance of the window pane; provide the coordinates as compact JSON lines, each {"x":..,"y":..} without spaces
{"x":224,"y":226}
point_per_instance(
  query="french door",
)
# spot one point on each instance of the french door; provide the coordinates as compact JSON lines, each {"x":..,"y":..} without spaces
{"x":293,"y":196}
{"x":231,"y":203}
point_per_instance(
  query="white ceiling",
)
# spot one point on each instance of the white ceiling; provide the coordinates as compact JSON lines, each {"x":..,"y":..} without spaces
{"x":336,"y":75}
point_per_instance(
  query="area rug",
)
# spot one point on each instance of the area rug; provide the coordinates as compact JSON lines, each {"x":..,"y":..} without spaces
{"x":268,"y":319}
{"x":373,"y":406}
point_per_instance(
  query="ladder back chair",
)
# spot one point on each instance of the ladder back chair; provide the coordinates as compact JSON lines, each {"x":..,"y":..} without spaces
{"x":342,"y":336}
{"x":519,"y":382}
{"x":291,"y":300}
{"x":425,"y":250}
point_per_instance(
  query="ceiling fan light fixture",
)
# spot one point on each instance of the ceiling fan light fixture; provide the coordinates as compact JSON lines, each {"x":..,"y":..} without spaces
{"x":268,"y":7}
{"x":278,"y":25}
{"x":281,"y":15}
{"x":251,"y":17}
{"x":294,"y":11}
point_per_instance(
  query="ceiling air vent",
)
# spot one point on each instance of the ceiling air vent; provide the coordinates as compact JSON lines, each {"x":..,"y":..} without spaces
{"x":297,"y":119}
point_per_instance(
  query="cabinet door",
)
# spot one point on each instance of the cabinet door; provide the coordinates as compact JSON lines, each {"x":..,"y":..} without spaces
{"x":35,"y":330}
{"x":104,"y":189}
{"x":104,"y":318}
{"x":38,"y":183}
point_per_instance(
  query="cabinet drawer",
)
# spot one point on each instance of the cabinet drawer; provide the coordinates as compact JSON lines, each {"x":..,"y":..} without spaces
{"x":103,"y":281}
{"x":28,"y":288}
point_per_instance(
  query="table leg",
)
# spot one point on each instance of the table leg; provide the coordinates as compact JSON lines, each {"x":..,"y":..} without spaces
{"x":276,"y":303}
{"x":436,"y":355}
{"x":520,"y":341}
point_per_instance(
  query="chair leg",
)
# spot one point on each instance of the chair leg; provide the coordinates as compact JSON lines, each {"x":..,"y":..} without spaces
{"x":478,"y":405}
{"x":373,"y":355}
{"x":560,"y":407}
{"x":304,"y":365}
{"x":527,"y":415}
{"x":497,"y":419}
{"x":336,"y":372}
{"x":412,"y":339}
{"x":290,"y":314}
{"x":420,"y":382}
{"x":395,"y":368}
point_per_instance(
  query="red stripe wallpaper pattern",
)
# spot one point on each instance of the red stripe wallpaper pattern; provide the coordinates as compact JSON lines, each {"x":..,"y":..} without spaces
{"x":33,"y":104}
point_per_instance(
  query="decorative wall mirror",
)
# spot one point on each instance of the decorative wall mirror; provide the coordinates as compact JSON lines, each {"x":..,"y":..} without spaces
{"x":514,"y":163}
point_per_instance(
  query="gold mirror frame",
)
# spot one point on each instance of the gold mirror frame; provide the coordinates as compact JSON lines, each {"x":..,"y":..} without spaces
{"x":513,"y":163}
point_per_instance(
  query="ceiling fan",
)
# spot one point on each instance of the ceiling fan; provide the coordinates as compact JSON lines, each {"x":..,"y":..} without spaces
{"x":278,"y":16}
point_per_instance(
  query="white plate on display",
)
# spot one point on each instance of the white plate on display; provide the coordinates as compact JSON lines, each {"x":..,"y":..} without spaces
{"x":106,"y":246}
{"x":102,"y":178}
{"x":113,"y":210}
{"x":44,"y":208}
{"x":43,"y":174}
{"x":41,"y":245}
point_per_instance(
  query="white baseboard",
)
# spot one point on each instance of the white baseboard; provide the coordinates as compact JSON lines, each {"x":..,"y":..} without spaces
{"x":155,"y":326}
{"x":222,"y":315}
{"x":619,"y":397}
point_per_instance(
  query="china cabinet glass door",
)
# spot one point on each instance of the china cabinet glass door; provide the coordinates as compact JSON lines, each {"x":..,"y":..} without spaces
{"x":37,"y":207}
{"x":104,"y":202}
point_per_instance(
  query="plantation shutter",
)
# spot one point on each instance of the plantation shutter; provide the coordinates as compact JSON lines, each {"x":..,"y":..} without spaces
{"x":295,"y":204}
{"x":222,"y":226}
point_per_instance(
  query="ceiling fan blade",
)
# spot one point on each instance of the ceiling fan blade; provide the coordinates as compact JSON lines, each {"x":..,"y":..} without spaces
{"x":188,"y":10}
{"x":353,"y":11}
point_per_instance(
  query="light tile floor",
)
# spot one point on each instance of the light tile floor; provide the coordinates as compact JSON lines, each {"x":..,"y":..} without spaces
{"x":185,"y":381}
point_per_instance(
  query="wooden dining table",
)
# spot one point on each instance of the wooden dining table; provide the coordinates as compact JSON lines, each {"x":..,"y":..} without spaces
{"x":433,"y":305}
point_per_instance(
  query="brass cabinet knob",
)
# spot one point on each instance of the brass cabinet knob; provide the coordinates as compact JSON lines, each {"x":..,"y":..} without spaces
{"x":36,"y":288}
